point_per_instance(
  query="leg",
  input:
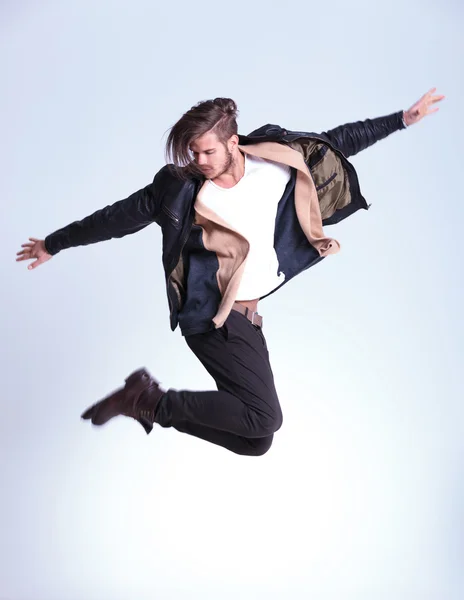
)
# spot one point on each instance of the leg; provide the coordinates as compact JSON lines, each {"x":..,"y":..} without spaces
{"x":229,"y":441}
{"x":246,"y":403}
{"x":242,"y":415}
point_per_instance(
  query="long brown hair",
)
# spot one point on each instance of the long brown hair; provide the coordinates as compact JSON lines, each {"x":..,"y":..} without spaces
{"x":218,"y":116}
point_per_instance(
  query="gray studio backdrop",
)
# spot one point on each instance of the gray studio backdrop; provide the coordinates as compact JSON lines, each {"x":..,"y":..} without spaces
{"x":361,"y":495}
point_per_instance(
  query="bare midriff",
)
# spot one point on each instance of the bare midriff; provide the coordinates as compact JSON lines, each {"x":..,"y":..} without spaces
{"x":250,"y":304}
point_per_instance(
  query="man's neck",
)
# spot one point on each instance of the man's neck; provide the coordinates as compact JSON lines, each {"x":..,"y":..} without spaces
{"x":233,"y":175}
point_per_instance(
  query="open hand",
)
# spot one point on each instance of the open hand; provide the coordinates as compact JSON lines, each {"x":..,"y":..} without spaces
{"x":34,"y":249}
{"x":422,"y":107}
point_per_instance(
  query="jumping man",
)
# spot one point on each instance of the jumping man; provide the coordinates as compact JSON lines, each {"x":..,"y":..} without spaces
{"x":240,"y":217}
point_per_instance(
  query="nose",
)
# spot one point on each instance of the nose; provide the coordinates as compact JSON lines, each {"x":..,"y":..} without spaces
{"x":202,"y":160}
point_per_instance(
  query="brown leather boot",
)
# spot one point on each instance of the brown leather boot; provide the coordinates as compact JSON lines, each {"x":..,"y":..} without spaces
{"x":138,"y":399}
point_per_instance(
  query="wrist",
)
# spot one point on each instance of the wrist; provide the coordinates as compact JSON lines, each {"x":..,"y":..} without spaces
{"x":404,"y":118}
{"x":46,"y":246}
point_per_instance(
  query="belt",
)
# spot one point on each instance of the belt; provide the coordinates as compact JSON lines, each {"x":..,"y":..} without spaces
{"x":252,"y":316}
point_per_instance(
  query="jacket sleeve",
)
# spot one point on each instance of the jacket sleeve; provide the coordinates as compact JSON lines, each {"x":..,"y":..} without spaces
{"x":114,"y":221}
{"x":354,"y":137}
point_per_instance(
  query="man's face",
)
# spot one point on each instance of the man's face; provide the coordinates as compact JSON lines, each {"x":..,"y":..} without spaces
{"x":212,"y":157}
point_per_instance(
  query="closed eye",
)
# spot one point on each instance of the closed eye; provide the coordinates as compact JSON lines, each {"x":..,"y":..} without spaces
{"x":212,"y":151}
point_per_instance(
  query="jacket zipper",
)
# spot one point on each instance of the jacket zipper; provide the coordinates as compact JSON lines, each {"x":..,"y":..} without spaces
{"x":170,"y":214}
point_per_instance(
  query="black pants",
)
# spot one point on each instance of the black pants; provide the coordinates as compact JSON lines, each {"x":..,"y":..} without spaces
{"x":244,"y":413}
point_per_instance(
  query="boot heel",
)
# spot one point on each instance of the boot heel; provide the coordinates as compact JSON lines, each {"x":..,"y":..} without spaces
{"x":146,"y":424}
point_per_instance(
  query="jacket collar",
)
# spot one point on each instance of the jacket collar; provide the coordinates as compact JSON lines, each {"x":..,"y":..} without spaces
{"x":266,"y":133}
{"x":276,"y":133}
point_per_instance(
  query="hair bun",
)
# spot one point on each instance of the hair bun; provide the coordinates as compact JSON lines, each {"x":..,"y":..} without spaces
{"x":227,"y":105}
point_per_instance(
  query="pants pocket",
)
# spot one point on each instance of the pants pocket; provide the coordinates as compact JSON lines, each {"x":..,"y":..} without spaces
{"x":223,"y":332}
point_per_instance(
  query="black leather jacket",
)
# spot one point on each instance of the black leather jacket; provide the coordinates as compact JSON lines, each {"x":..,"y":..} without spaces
{"x":169,"y":201}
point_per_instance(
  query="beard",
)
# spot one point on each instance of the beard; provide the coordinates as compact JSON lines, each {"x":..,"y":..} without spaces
{"x":226,"y":166}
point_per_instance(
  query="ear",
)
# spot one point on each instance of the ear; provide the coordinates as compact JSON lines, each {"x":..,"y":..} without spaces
{"x":233,"y":142}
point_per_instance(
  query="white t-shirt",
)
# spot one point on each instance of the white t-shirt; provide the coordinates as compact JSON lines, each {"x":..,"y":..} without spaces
{"x":250,"y":207}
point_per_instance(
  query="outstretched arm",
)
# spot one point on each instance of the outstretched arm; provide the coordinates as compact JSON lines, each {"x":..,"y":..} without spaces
{"x":354,"y":137}
{"x":114,"y":221}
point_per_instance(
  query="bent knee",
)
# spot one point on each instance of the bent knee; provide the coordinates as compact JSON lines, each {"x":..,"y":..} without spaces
{"x":278,"y":421}
{"x":259,"y":446}
{"x":271,"y":423}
